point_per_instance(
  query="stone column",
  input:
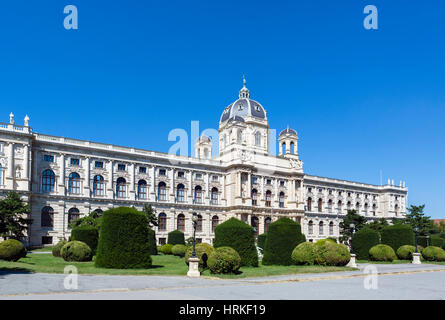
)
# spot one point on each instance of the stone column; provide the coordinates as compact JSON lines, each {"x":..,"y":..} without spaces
{"x":110,"y":190}
{"x":86,"y":187}
{"x":10,"y":173}
{"x":62,"y":175}
{"x":26,"y":162}
{"x":132,"y":182}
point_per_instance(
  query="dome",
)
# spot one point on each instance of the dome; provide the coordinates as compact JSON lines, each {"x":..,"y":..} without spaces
{"x":288,"y":131}
{"x":243,"y":107}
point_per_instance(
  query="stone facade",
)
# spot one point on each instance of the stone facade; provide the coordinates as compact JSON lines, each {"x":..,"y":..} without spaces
{"x":65,"y":178}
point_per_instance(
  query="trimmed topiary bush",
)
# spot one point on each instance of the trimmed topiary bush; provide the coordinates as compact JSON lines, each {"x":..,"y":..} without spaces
{"x":329,"y":253}
{"x":179,"y":250}
{"x":12,"y":250}
{"x":76,"y":251}
{"x":262,"y":240}
{"x":382,"y":252}
{"x":282,"y":238}
{"x":322,"y":241}
{"x":87,"y":234}
{"x":239,"y":236}
{"x":152,"y":242}
{"x":176,"y":237}
{"x":304,"y":254}
{"x":397,"y":235}
{"x":406,"y":252}
{"x":203,"y":251}
{"x":224,"y":260}
{"x":124,"y":240}
{"x":57,"y":247}
{"x":437,"y":241}
{"x":363,"y":240}
{"x":167,"y":248}
{"x":433,"y":253}
{"x":333,"y":239}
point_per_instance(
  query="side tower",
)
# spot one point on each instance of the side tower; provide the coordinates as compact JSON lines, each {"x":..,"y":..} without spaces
{"x":203,"y":148}
{"x":288,"y":142}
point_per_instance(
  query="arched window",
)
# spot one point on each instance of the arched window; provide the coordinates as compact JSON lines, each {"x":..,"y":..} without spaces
{"x":48,"y":180}
{"x":339,"y":205}
{"x":366,"y":209}
{"x":98,"y":186}
{"x":74,"y":183}
{"x":142,"y":189}
{"x":309,"y":204}
{"x":198,"y":194}
{"x":320,"y":205}
{"x":215,"y":222}
{"x":47,"y":217}
{"x":281,"y":198}
{"x":199,"y":224}
{"x":162,"y":222}
{"x":181,"y":222}
{"x":310,"y":227}
{"x":292,"y":148}
{"x":331,"y":228}
{"x":214,"y":196}
{"x":161,"y":191}
{"x":258,"y":139}
{"x":73,"y":214}
{"x":283,"y":148}
{"x":254,"y":197}
{"x":268,"y":198}
{"x":374,"y":210}
{"x":330,"y":205}
{"x":349,"y":205}
{"x":254,"y":222}
{"x":267,"y":222}
{"x":396,"y":209}
{"x":180,"y":193}
{"x":121,"y":186}
{"x":320,"y":227}
{"x":239,"y":136}
{"x":357,"y":207}
{"x":98,"y":212}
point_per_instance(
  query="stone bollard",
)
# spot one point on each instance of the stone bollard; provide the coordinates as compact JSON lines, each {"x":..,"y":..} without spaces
{"x":352,"y":262}
{"x":416,"y":258}
{"x":194,"y":268}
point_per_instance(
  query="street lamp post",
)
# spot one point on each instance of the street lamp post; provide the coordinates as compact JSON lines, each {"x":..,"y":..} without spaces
{"x":416,"y":254}
{"x":427,"y":240}
{"x":194,"y":260}
{"x":352,"y":262}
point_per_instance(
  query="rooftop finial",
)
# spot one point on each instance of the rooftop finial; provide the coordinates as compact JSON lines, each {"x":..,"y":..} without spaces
{"x":244,"y":81}
{"x":11,"y":118}
{"x":244,"y":92}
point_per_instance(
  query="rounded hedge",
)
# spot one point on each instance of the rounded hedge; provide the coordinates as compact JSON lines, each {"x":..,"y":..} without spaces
{"x":433,"y":253}
{"x":437,"y":241}
{"x":167,"y":248}
{"x":76,"y":251}
{"x":382,"y":252}
{"x":12,"y":250}
{"x":329,"y":253}
{"x":398,"y":235}
{"x":124,"y":240}
{"x":406,"y":252}
{"x":304,"y":254}
{"x":87,"y":234}
{"x":152,"y":242}
{"x":262,"y":240}
{"x":282,"y":238}
{"x":239,"y":236}
{"x":179,"y":250}
{"x":224,"y":260}
{"x":176,"y":237}
{"x":57,"y":247}
{"x":203,"y":251}
{"x":322,"y":241}
{"x":363,"y":240}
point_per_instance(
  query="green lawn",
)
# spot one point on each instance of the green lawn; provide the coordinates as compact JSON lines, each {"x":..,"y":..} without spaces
{"x":44,"y":249}
{"x":162,"y":265}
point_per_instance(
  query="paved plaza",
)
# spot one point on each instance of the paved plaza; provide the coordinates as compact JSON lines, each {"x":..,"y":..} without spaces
{"x":395,"y":281}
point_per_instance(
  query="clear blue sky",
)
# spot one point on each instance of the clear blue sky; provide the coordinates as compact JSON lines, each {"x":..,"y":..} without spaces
{"x":362,"y":101}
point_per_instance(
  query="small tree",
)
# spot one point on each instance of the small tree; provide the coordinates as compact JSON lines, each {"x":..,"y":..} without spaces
{"x":345,"y":229}
{"x":151,"y":216}
{"x":14,"y":220}
{"x":378,"y":225}
{"x":416,"y":218}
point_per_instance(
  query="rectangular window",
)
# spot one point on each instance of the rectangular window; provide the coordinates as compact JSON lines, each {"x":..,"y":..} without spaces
{"x":162,"y":172}
{"x":282,"y":183}
{"x":198,"y":176}
{"x":181,"y":174}
{"x":75,"y":162}
{"x":215,"y":178}
{"x":254,"y":180}
{"x":142,"y":170}
{"x":121,"y":167}
{"x":162,"y":241}
{"x":47,"y":240}
{"x":99,"y":164}
{"x":268,"y":181}
{"x":48,"y":158}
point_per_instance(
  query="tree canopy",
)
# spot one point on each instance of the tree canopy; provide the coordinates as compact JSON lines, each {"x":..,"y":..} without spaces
{"x":14,"y":217}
